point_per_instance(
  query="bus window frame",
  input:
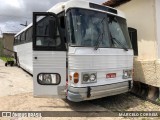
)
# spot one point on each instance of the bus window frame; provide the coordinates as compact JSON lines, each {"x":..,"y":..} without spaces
{"x":64,"y":37}
{"x":60,"y":47}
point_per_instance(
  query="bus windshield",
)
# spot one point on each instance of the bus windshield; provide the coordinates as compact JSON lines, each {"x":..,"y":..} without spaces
{"x":87,"y":28}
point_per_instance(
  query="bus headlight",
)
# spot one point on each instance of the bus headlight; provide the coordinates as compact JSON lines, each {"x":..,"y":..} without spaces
{"x":89,"y":78}
{"x":127,"y":74}
{"x":85,"y":77}
{"x":92,"y":77}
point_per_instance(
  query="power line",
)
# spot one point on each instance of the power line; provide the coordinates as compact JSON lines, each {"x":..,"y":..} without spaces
{"x":14,"y":16}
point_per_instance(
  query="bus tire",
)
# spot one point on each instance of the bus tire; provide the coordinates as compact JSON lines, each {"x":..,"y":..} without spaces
{"x":18,"y":64}
{"x":6,"y":64}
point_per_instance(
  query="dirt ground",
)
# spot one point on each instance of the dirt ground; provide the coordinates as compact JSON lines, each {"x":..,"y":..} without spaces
{"x":16,"y":95}
{"x":14,"y":80}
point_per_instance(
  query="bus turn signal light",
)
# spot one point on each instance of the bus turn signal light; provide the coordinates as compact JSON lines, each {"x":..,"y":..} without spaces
{"x":76,"y":77}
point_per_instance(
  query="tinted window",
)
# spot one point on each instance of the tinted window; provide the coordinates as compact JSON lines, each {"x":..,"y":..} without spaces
{"x":29,"y":34}
{"x":61,"y":18}
{"x":18,"y":39}
{"x":22,"y":37}
{"x":15,"y":40}
{"x":44,"y":34}
{"x":92,"y":5}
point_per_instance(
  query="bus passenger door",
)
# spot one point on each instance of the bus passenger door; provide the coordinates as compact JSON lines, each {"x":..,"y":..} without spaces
{"x":49,"y":56}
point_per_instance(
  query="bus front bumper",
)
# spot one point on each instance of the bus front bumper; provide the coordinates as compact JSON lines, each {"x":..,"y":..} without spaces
{"x":77,"y":94}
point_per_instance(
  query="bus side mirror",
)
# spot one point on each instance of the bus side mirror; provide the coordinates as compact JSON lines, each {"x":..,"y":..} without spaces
{"x":52,"y":29}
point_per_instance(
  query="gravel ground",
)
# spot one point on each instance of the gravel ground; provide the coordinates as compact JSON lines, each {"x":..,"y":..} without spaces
{"x":16,"y":95}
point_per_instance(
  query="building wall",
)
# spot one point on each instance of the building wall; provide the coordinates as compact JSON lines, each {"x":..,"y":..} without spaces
{"x":1,"y":46}
{"x":8,"y":39}
{"x":157,"y":4}
{"x":141,"y":15}
{"x":157,"y":12}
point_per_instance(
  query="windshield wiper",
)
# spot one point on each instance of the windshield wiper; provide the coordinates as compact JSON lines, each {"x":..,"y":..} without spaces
{"x":98,"y":39}
{"x":114,"y":39}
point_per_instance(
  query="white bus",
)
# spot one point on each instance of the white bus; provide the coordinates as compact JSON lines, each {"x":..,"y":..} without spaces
{"x":77,"y":50}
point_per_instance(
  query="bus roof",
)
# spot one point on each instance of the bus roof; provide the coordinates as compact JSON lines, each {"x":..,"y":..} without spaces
{"x":64,"y":6}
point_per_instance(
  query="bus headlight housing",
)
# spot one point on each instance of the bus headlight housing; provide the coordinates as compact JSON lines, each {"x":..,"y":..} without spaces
{"x":127,"y":74}
{"x":89,"y":78}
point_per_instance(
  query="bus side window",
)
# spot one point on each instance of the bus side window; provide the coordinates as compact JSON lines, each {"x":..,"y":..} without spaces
{"x":23,"y":37}
{"x":15,"y":41}
{"x":29,"y":35}
{"x":18,"y":39}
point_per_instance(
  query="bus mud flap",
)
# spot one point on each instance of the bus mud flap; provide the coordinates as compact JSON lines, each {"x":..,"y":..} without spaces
{"x":147,"y":92}
{"x":88,"y":92}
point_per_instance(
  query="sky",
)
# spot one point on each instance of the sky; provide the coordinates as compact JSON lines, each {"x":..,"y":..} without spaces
{"x":16,"y":12}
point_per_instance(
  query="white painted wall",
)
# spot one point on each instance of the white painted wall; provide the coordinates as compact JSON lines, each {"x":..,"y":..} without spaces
{"x":140,"y":14}
{"x":144,"y":15}
{"x":157,"y":12}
